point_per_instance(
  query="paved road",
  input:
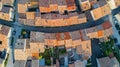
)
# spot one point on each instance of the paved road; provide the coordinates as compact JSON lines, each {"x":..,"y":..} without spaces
{"x":59,"y":29}
{"x":55,"y":29}
{"x":96,"y":52}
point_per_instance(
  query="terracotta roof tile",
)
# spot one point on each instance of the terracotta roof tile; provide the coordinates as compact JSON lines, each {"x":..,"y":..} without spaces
{"x":106,"y":25}
{"x":75,"y":35}
{"x":30,"y":22}
{"x":44,"y":3}
{"x":100,"y":33}
{"x":61,"y":2}
{"x":53,"y":1}
{"x":50,"y":36}
{"x":67,"y":35}
{"x":91,"y":30}
{"x":30,"y":15}
{"x":96,"y":13}
{"x":70,"y":3}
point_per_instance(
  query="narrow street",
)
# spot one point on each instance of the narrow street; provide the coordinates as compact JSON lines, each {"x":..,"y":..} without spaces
{"x":96,"y":52}
{"x":59,"y":29}
{"x":11,"y":52}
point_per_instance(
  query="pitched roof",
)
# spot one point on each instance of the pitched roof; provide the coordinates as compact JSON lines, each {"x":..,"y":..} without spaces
{"x":105,"y":62}
{"x":4,"y":30}
{"x":106,"y":25}
{"x":22,"y":15}
{"x":75,"y":35}
{"x":102,"y":3}
{"x":91,"y":30}
{"x":84,"y":35}
{"x":61,"y":2}
{"x":35,"y":38}
{"x":23,"y":1}
{"x":5,"y":9}
{"x":44,"y":3}
{"x":70,"y":3}
{"x":50,"y":36}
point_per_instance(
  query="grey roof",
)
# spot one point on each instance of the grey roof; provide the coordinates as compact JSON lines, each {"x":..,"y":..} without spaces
{"x":21,"y":43}
{"x":102,"y":3}
{"x":4,"y":30}
{"x":22,"y":15}
{"x":37,"y":37}
{"x":75,"y":35}
{"x":23,"y":1}
{"x":84,"y":36}
{"x":19,"y":63}
{"x":5,"y":9}
{"x":99,"y":27}
{"x":35,"y":63}
{"x":81,"y":15}
{"x":105,"y":62}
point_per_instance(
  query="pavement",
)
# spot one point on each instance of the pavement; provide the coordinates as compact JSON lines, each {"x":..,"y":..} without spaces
{"x":96,"y":52}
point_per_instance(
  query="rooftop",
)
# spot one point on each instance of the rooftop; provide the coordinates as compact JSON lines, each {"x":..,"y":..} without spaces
{"x":107,"y":62}
{"x":22,"y":44}
{"x":19,"y":63}
{"x":35,"y":38}
{"x":79,"y":64}
{"x":75,"y":35}
{"x":5,"y":9}
{"x":106,"y":25}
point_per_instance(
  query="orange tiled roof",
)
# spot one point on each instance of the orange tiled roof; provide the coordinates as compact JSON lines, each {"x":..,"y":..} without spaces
{"x":4,"y":30}
{"x":100,"y":33}
{"x":85,"y":6}
{"x":71,"y":5}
